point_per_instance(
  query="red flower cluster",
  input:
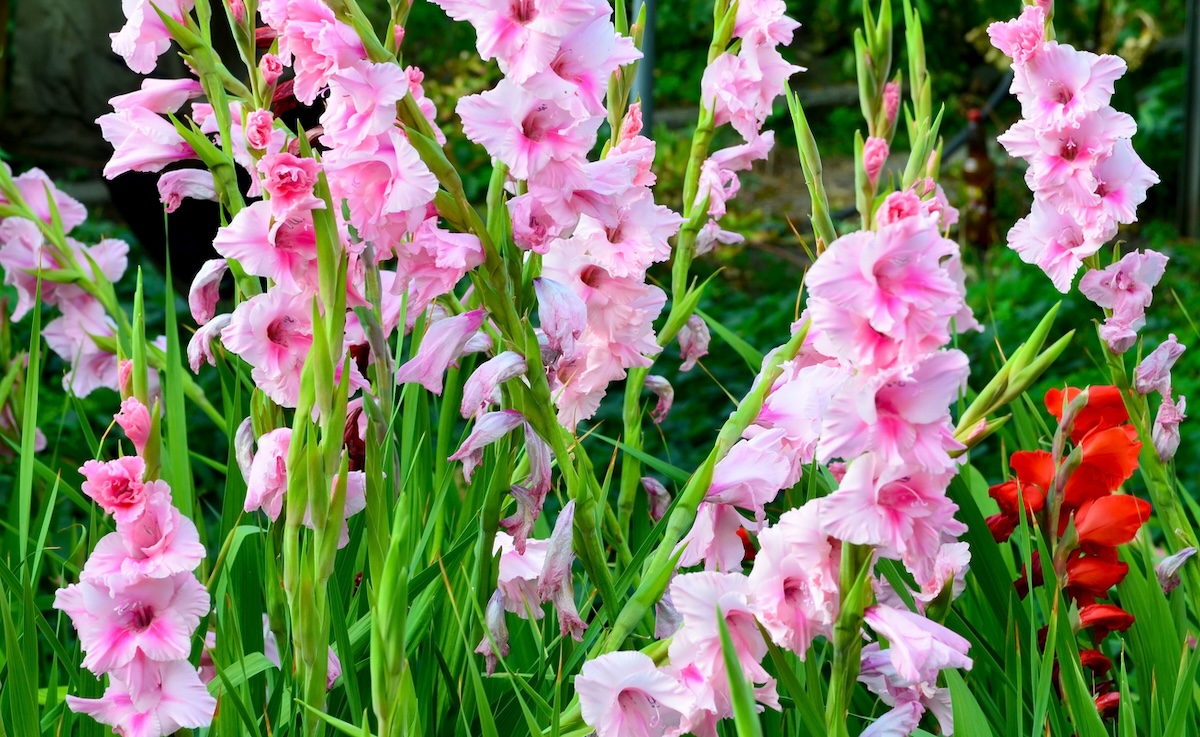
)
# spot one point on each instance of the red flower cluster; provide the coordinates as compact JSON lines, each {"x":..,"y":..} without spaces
{"x":1106,"y":449}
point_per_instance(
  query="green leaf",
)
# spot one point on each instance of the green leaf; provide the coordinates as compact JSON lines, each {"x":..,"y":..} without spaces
{"x":751,"y":355}
{"x":968,"y":717}
{"x":745,"y":717}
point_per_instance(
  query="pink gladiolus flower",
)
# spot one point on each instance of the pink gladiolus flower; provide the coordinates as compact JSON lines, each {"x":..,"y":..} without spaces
{"x":174,"y":699}
{"x":33,"y":186}
{"x":318,"y":44}
{"x":1154,"y":372}
{"x":1021,"y":38}
{"x":283,"y":250}
{"x":273,"y":333}
{"x":362,"y":103}
{"x":529,"y":508}
{"x":919,"y":647}
{"x":1121,"y":183}
{"x":482,"y":389}
{"x":488,"y":429}
{"x":712,"y":234}
{"x":631,"y":125}
{"x":145,"y":37}
{"x":70,"y":336}
{"x":289,"y":181}
{"x":271,"y":67}
{"x":1125,"y":288}
{"x":623,"y":693}
{"x":494,"y":644}
{"x":562,"y":313}
{"x":666,"y":397}
{"x":875,"y":153}
{"x":578,"y":73}
{"x":949,"y":566}
{"x":693,"y":342}
{"x":442,"y":344}
{"x":147,"y":620}
{"x":714,"y":538}
{"x":174,"y":186}
{"x":517,"y":576}
{"x":260,"y":129}
{"x":523,"y":35}
{"x":658,"y":499}
{"x":795,"y":579}
{"x":523,"y":131}
{"x":1167,"y":569}
{"x":432,"y":262}
{"x":23,"y":252}
{"x":900,"y":721}
{"x":898,"y":206}
{"x":1166,"y":427}
{"x":267,"y":482}
{"x":891,"y":101}
{"x":206,"y":290}
{"x":199,"y":349}
{"x":762,"y":22}
{"x":134,"y":419}
{"x":141,"y":141}
{"x":1062,"y":84}
{"x":1053,"y":242}
{"x":159,"y":95}
{"x":743,"y":88}
{"x":751,"y":475}
{"x":555,"y":582}
{"x":117,"y":486}
{"x":158,"y":544}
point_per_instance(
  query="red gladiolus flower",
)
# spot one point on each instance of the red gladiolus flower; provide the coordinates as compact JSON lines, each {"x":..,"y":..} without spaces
{"x":1109,"y":459}
{"x":1105,"y":409}
{"x":1108,"y":704}
{"x":1111,"y":520}
{"x":1104,"y":618}
{"x":1091,"y":577}
{"x":749,"y":551}
{"x":1095,"y":660}
{"x":1001,"y":526}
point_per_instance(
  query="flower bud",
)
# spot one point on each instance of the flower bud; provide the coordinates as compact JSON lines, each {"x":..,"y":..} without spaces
{"x":1168,"y":569}
{"x":555,"y":584}
{"x":206,"y":290}
{"x":1154,"y":372}
{"x":1166,"y":427}
{"x":540,"y":460}
{"x":134,"y":419}
{"x":264,"y":36}
{"x":666,"y":397}
{"x":562,"y":313}
{"x":631,"y":126}
{"x":875,"y":153}
{"x":891,"y":101}
{"x":497,"y":632}
{"x":238,"y":9}
{"x":488,"y":429}
{"x":243,"y":447}
{"x":482,"y":389}
{"x":658,"y":499}
{"x":520,"y":524}
{"x":199,"y":348}
{"x":443,"y":343}
{"x":260,"y":124}
{"x":693,"y":342}
{"x":667,"y":620}
{"x":271,"y":67}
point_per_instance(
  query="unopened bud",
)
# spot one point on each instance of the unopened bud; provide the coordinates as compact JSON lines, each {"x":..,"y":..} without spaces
{"x":243,"y":447}
{"x":658,"y":499}
{"x":666,"y":397}
{"x":1168,"y":569}
{"x":497,"y":633}
{"x":555,"y":584}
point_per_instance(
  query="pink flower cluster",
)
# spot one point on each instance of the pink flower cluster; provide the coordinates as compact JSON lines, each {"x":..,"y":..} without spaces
{"x":1086,"y":178}
{"x":138,"y":604}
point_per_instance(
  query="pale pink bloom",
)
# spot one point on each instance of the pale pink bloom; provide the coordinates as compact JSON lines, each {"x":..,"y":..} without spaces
{"x":1122,"y":179}
{"x":875,"y":154}
{"x":489,"y":428}
{"x":243,"y":447}
{"x":517,"y":575}
{"x":134,"y":419}
{"x":949,"y":566}
{"x":281,"y":250}
{"x":1154,"y":372}
{"x":742,"y":89}
{"x":1052,"y":241}
{"x":387,"y":187}
{"x":494,"y":644}
{"x":318,"y":45}
{"x":658,"y":499}
{"x":524,"y":131}
{"x":901,"y":414}
{"x":23,"y":251}
{"x":631,"y":124}
{"x":260,"y":129}
{"x":117,"y":486}
{"x":273,"y":333}
{"x":891,"y":101}
{"x":362,"y":103}
{"x":159,"y":95}
{"x":901,"y":721}
{"x":33,"y":186}
{"x":289,"y":182}
{"x":442,"y":344}
{"x":432,"y":262}
{"x":698,"y":597}
{"x":1126,"y":288}
{"x":529,"y":508}
{"x":1021,"y":38}
{"x":797,"y":406}
{"x":142,"y":141}
{"x":566,"y":189}
{"x":761,"y":22}
{"x":714,"y":538}
{"x":158,"y":544}
{"x":1061,"y":84}
{"x":1166,"y":427}
{"x":918,"y":647}
{"x":636,"y":237}
{"x":271,"y":67}
{"x":964,"y":319}
{"x":718,"y":179}
{"x":623,"y":693}
{"x":555,"y":582}
{"x":578,"y":73}
{"x":534,"y":227}
{"x":666,"y":397}
{"x":70,"y":336}
{"x":206,"y":290}
{"x":693,"y":342}
{"x":151,"y":619}
{"x":562,"y":313}
{"x":667,"y":619}
{"x":267,"y":481}
{"x":795,"y":579}
{"x":199,"y":349}
{"x":752,"y":474}
{"x":175,"y":186}
{"x":145,"y":37}
{"x":174,"y":698}
{"x":711,"y":235}
{"x":482,"y":389}
{"x":523,"y":35}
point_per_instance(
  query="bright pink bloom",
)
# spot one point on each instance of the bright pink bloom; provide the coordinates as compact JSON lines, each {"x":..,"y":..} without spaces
{"x":117,"y":486}
{"x":70,"y":336}
{"x":283,"y":251}
{"x":1021,"y":38}
{"x":260,"y":129}
{"x":134,"y":419}
{"x":273,"y":333}
{"x":1165,"y":434}
{"x":918,"y":647}
{"x":174,"y":698}
{"x":1154,"y":372}
{"x":362,"y":103}
{"x":271,"y":68}
{"x":199,"y":349}
{"x":482,"y":389}
{"x":1122,"y":179}
{"x":897,"y":206}
{"x":875,"y":154}
{"x":488,"y":429}
{"x":141,"y":141}
{"x":432,"y":262}
{"x":714,"y":538}
{"x":206,"y":290}
{"x":160,"y":95}
{"x":1126,"y":288}
{"x":623,"y":693}
{"x":743,"y":88}
{"x":158,"y":544}
{"x":1053,"y":242}
{"x":524,"y":131}
{"x":145,"y":37}
{"x":578,"y":74}
{"x":523,"y":35}
{"x":175,"y":186}
{"x":1062,"y":84}
{"x":33,"y":186}
{"x":289,"y":182}
{"x":147,"y":620}
{"x":795,"y":579}
{"x":891,"y":101}
{"x":318,"y":45}
{"x":267,"y":482}
{"x":693,"y":342}
{"x":442,"y":344}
